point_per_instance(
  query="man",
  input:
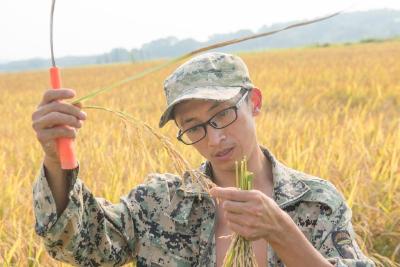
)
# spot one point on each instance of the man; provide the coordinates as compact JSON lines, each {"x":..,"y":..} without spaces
{"x":293,"y":218}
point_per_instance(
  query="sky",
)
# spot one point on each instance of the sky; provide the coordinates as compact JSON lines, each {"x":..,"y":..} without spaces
{"x":87,"y":27}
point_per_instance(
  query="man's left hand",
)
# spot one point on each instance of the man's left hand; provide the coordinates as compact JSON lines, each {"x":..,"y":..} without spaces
{"x":251,"y":213}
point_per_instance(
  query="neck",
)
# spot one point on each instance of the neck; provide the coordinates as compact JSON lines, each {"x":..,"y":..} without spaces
{"x":257,"y":164}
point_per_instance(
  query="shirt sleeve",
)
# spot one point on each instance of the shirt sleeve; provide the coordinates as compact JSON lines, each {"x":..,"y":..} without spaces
{"x":340,"y":246}
{"x":90,"y":231}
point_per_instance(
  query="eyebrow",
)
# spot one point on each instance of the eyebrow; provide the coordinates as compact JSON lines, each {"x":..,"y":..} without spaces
{"x":187,"y":121}
{"x":216,"y":104}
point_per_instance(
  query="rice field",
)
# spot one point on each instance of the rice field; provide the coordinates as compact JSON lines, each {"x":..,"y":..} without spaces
{"x":333,"y":112}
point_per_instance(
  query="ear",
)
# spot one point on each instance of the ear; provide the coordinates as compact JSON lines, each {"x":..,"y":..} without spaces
{"x":256,"y":101}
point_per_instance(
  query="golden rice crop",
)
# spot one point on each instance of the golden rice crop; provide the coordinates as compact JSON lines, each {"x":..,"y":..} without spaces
{"x":332,"y":112}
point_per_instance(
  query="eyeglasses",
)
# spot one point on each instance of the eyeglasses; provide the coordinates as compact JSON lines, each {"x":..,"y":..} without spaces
{"x":222,"y":119}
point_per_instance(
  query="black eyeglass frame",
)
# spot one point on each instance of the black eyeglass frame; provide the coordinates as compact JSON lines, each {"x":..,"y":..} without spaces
{"x":204,"y":124}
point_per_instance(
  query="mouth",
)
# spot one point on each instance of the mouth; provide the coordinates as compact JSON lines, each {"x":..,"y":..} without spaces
{"x":224,"y":154}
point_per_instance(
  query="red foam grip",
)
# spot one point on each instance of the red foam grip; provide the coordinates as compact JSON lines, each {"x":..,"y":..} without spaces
{"x":65,"y":146}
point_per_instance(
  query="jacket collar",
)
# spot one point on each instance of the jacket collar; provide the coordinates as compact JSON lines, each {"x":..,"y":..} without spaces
{"x":288,"y":188}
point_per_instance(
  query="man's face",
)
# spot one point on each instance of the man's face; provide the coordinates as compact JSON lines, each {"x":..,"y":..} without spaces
{"x":222,"y":147}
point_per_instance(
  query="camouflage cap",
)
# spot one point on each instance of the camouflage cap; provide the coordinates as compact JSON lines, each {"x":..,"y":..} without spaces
{"x":210,"y":76}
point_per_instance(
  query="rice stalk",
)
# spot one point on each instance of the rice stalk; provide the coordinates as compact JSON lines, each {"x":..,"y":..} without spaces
{"x":240,"y":252}
{"x":181,"y":166}
{"x":196,"y":52}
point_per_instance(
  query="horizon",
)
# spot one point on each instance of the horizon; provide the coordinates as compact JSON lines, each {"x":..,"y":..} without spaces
{"x":104,"y":37}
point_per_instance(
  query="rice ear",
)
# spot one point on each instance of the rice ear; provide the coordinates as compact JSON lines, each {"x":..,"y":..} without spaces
{"x":181,"y":166}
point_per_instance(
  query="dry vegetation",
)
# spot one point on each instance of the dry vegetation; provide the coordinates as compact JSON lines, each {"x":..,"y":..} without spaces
{"x":332,"y":112}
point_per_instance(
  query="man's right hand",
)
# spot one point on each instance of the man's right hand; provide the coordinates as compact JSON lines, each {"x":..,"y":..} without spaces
{"x":51,"y":120}
{"x":51,"y":117}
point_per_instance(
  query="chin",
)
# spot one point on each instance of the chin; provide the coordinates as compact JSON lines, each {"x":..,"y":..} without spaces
{"x":224,"y":166}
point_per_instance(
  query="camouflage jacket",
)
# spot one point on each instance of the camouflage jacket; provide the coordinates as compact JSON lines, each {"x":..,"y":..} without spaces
{"x":156,"y":224}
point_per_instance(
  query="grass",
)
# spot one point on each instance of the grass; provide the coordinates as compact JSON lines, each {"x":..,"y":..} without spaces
{"x":332,"y":112}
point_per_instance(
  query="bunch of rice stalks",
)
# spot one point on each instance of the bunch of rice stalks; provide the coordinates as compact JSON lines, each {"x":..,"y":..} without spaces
{"x":240,"y":252}
{"x":181,"y":165}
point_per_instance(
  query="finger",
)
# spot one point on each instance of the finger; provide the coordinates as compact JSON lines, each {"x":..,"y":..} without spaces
{"x":240,"y":219}
{"x":231,"y":193}
{"x":59,"y":94}
{"x":235,"y":206}
{"x":59,"y":107}
{"x":47,"y":135}
{"x":239,"y":229}
{"x":78,"y":105}
{"x":56,"y":118}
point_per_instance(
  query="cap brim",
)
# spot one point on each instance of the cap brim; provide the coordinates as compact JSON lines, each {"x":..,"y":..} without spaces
{"x":216,"y":93}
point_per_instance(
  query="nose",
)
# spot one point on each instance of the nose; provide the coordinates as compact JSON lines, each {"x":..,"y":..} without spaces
{"x":215,"y":136}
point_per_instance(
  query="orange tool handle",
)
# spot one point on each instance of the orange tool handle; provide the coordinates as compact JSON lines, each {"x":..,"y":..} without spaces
{"x":65,"y":146}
